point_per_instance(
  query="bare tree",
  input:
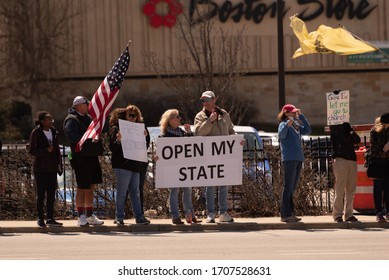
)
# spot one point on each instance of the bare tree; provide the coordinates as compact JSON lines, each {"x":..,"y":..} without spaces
{"x":215,"y":58}
{"x":34,"y":43}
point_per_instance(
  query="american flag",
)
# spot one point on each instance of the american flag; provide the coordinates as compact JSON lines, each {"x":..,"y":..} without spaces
{"x":104,"y":97}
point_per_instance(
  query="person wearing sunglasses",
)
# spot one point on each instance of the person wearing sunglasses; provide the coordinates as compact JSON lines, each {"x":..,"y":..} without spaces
{"x":214,"y":121}
{"x":126,"y":171}
{"x":170,"y":127}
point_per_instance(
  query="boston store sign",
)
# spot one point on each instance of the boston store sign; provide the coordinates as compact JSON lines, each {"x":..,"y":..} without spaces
{"x":256,"y":10}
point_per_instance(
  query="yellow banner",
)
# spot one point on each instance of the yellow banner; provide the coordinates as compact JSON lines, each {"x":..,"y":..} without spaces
{"x":327,"y":40}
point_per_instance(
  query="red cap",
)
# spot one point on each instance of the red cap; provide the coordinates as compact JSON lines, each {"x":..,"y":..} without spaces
{"x":289,"y":108}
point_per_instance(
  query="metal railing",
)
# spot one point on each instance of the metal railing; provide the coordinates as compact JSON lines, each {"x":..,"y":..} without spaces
{"x":259,"y":194}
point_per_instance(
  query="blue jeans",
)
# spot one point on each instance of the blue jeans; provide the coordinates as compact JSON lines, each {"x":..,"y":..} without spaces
{"x":210,"y":199}
{"x":127,"y":180}
{"x":186,"y":201}
{"x":292,"y":170}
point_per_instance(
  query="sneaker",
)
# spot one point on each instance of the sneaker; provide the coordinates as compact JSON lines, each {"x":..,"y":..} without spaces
{"x":225,"y":218}
{"x":119,"y":222}
{"x":142,"y":221}
{"x":53,"y":223}
{"x":94,"y":221}
{"x":82,"y":221}
{"x":196,"y":221}
{"x":177,"y":221}
{"x":380,"y":218}
{"x":188,"y":217}
{"x":210,"y":218}
{"x":297,"y":218}
{"x":41,"y":223}
{"x":352,"y":219}
{"x":338,"y":220}
{"x":290,"y":219}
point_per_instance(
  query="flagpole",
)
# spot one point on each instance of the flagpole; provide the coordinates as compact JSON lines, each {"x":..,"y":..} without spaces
{"x":281,"y":65}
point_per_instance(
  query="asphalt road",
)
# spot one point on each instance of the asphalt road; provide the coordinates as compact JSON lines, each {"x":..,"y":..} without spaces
{"x":320,"y":244}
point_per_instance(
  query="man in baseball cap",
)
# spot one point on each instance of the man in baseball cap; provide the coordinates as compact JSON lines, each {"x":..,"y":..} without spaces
{"x":80,"y":100}
{"x":214,"y":121}
{"x":207,"y":94}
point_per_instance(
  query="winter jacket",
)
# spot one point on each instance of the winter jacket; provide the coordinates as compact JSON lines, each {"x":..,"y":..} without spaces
{"x":43,"y":160}
{"x":290,"y":139}
{"x":377,"y":143}
{"x":343,"y":141}
{"x":222,"y":126}
{"x":118,"y":160}
{"x":75,"y":125}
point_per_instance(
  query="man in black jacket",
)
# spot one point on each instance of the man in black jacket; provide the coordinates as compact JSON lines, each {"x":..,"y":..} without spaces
{"x":344,"y":139}
{"x":85,"y":163}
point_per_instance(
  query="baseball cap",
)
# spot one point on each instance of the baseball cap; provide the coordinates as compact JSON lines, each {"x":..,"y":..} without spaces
{"x":289,"y":108}
{"x":80,"y":100}
{"x":207,"y":94}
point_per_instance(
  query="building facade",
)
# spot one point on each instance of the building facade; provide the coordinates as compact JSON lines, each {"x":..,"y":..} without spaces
{"x":102,"y":29}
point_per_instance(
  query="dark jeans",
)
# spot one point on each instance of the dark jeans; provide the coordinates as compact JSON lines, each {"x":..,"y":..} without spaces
{"x":381,"y":186}
{"x":292,"y":170}
{"x":46,"y":185}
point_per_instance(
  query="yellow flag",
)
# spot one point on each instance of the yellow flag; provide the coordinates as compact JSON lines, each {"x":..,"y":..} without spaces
{"x":327,"y":40}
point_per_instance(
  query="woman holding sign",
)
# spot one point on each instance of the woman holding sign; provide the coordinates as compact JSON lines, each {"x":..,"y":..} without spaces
{"x":292,"y":125}
{"x":170,"y":127}
{"x":126,"y":170}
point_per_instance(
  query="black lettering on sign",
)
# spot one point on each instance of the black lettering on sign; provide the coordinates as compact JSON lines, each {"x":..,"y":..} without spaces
{"x":203,"y":172}
{"x":337,"y":8}
{"x":256,"y":10}
{"x":222,"y":148}
{"x":186,"y":151}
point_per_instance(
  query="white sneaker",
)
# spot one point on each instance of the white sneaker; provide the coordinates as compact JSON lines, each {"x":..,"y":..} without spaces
{"x":94,"y":221}
{"x":225,"y":218}
{"x":211,"y":218}
{"x":82,"y":220}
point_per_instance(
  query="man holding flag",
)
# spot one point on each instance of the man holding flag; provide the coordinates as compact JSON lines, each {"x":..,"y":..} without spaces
{"x":82,"y":128}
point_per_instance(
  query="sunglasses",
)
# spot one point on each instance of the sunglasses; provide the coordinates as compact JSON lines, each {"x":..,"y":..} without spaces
{"x":206,"y":100}
{"x":132,"y":115}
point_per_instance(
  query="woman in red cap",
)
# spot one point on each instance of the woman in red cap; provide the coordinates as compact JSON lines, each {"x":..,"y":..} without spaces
{"x":292,"y":126}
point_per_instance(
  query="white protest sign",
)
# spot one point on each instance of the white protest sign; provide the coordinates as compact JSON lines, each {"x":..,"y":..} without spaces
{"x":199,"y":161}
{"x":133,"y":140}
{"x":338,"y":107}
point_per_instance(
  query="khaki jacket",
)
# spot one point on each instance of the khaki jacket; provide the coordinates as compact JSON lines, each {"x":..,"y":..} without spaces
{"x":222,"y":126}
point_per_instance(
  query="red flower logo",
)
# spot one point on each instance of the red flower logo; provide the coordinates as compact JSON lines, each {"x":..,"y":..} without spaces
{"x":169,"y":20}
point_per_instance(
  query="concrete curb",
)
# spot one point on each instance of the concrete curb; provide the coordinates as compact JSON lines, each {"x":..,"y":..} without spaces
{"x":162,"y":226}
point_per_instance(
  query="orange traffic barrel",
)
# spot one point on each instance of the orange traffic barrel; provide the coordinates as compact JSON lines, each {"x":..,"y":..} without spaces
{"x":363,"y":199}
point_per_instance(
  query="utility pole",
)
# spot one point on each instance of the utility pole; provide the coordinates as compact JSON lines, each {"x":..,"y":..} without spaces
{"x":281,"y":65}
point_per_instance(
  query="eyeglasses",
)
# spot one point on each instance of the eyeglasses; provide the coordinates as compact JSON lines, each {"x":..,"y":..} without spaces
{"x":206,"y":100}
{"x":132,"y":115}
{"x":176,"y":117}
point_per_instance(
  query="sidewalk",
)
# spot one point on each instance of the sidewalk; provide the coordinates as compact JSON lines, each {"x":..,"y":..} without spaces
{"x":165,"y":225}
